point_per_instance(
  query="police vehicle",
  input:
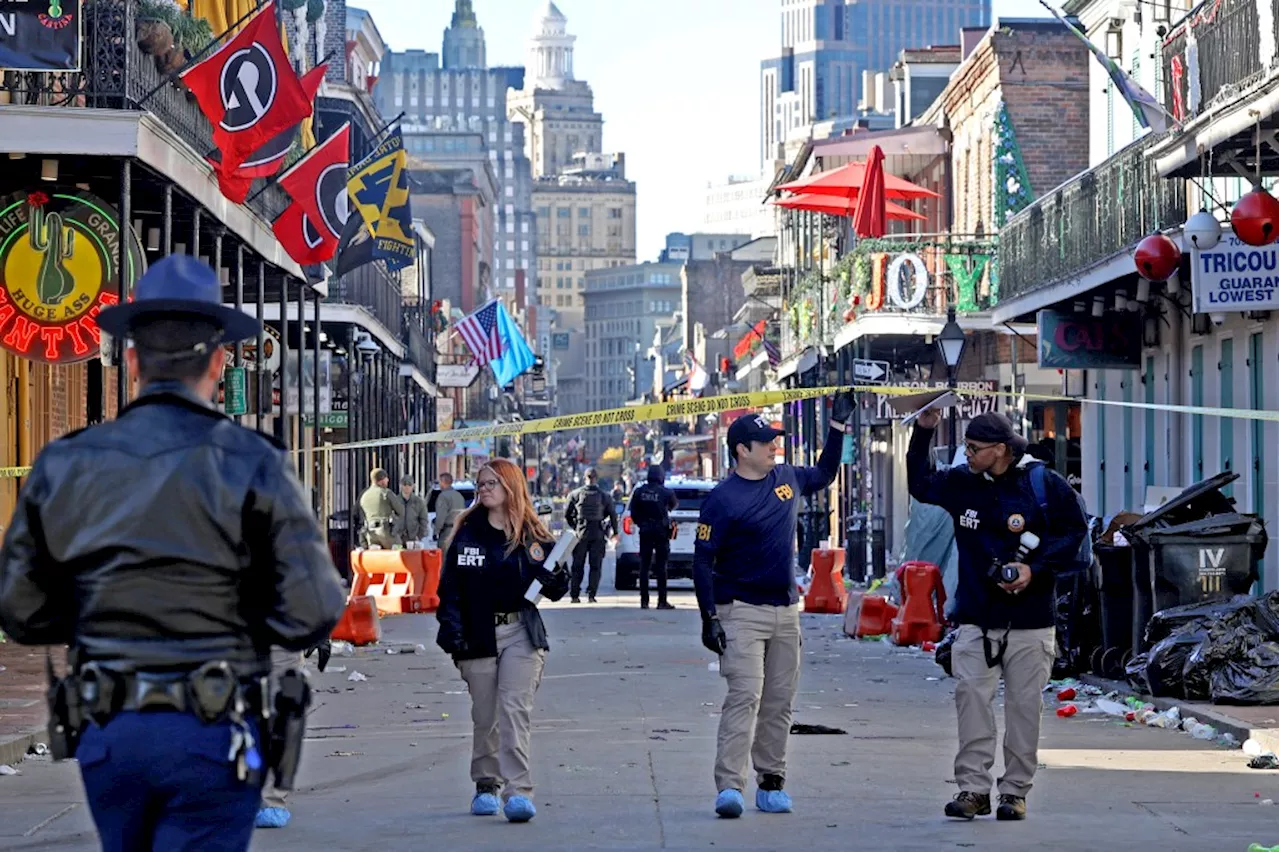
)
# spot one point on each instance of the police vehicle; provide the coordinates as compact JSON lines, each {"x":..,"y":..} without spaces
{"x":690,"y":493}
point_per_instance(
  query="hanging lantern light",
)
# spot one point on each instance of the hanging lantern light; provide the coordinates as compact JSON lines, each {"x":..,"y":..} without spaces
{"x":1254,"y":218}
{"x":1203,"y":230}
{"x":1157,"y":257}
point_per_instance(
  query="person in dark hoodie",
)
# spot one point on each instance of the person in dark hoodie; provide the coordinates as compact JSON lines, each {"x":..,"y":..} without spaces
{"x":1006,"y":626}
{"x":494,"y":633}
{"x":650,"y":509}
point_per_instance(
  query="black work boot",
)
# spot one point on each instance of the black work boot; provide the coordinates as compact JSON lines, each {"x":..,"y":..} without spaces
{"x":1011,"y":807}
{"x":967,"y":805}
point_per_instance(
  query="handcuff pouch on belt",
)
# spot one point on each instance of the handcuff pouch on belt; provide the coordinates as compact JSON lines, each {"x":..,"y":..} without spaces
{"x":288,"y":727}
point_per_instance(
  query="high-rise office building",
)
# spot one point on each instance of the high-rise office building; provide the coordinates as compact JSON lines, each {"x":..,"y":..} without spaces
{"x":828,"y":44}
{"x":464,"y":39}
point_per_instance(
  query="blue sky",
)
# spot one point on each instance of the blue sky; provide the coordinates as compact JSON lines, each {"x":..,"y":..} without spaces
{"x":676,"y":80}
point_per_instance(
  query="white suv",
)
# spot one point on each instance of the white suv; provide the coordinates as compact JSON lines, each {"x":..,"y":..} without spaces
{"x":690,"y":493}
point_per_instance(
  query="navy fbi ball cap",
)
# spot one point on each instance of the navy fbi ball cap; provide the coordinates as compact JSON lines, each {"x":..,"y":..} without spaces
{"x":751,"y":427}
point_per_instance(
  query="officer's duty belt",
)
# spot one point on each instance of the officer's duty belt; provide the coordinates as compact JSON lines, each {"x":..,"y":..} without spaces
{"x":209,"y":692}
{"x":502,"y":618}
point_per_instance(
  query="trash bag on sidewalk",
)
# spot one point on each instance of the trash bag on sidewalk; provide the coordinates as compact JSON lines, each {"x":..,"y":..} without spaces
{"x":1251,"y":678}
{"x":1077,"y":623}
{"x":1160,"y":670}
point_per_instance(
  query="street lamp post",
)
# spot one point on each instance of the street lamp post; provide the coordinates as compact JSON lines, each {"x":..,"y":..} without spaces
{"x":951,"y":343}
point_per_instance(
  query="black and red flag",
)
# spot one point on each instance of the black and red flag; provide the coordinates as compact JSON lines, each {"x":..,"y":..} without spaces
{"x":310,"y":227}
{"x":248,"y":89}
{"x":268,"y":159}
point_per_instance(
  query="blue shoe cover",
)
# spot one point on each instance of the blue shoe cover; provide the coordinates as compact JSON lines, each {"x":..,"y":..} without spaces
{"x":271,"y":818}
{"x":729,"y":804}
{"x":519,"y":809}
{"x":773,"y":801}
{"x":484,"y":804}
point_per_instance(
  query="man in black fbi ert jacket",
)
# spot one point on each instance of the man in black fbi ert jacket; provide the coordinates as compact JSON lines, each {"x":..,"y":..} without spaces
{"x":1006,"y":622}
{"x":650,"y":508}
{"x":170,"y":549}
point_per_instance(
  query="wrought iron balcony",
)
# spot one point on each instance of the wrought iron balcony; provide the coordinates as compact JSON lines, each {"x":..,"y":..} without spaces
{"x":1087,"y":220}
{"x":116,"y":74}
{"x":1225,"y":62}
{"x":419,"y":344}
{"x":371,"y":287}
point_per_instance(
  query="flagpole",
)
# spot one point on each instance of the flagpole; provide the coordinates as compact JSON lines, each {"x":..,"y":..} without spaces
{"x":199,"y":54}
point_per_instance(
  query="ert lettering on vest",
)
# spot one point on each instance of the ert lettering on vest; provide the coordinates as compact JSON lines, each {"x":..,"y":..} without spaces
{"x":471,"y":557}
{"x":969,"y":520}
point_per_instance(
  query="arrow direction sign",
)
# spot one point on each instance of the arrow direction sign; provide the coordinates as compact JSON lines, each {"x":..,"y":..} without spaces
{"x":871,"y":371}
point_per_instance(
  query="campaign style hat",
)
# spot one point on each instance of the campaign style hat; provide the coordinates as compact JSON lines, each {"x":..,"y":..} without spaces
{"x":991,"y":427}
{"x":751,"y":427}
{"x":179,"y":284}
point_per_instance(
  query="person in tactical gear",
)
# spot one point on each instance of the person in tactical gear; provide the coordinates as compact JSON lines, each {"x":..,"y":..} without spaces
{"x":650,"y":509}
{"x":170,"y":549}
{"x":413,"y":525}
{"x":744,"y":573}
{"x":1004,"y":601}
{"x":587,"y":512}
{"x":383,"y":511}
{"x":449,"y":505}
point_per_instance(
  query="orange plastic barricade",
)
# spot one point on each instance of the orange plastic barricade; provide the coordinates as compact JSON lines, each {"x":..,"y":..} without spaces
{"x":920,"y":618}
{"x":876,"y":616}
{"x":359,"y":624}
{"x":398,"y":580}
{"x":827,"y":592}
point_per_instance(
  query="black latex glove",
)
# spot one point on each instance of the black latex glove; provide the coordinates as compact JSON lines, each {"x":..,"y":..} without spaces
{"x":323,"y":651}
{"x":842,"y":406}
{"x":555,"y":584}
{"x":713,"y":638}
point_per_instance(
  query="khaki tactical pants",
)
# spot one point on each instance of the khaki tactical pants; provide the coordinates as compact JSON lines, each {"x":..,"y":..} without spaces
{"x":380,"y":533}
{"x":761,"y":664}
{"x":1027,"y":664}
{"x":281,"y":662}
{"x":502,"y":690}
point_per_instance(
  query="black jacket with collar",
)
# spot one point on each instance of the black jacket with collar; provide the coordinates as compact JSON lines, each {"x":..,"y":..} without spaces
{"x":468,"y":592}
{"x":164,"y":539}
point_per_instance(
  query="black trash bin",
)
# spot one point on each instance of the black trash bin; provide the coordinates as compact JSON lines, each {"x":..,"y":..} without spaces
{"x":1115,"y":593}
{"x":1174,"y":533}
{"x":855,"y":558}
{"x":877,"y":546}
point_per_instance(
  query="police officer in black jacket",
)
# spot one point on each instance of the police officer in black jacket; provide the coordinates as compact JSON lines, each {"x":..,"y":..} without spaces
{"x":1006,"y":621}
{"x":650,"y":509}
{"x":170,"y":549}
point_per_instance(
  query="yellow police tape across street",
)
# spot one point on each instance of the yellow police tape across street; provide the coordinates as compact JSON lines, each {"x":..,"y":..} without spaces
{"x":728,"y":402}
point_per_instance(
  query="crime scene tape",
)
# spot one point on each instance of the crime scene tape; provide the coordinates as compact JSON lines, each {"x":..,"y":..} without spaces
{"x":728,"y":402}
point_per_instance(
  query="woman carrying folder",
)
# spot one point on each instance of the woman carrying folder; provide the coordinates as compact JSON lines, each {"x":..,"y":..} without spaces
{"x":495,"y":570}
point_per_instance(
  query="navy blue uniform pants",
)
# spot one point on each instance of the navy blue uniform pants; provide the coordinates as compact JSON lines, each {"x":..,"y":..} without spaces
{"x":588,"y":549}
{"x":162,"y":781}
{"x":655,"y":548}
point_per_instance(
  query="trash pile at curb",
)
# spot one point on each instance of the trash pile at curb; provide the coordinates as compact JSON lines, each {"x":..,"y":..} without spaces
{"x":1134,"y":711}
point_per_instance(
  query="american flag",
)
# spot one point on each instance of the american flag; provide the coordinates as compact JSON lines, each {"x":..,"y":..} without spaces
{"x":774,"y":356}
{"x":480,"y":332}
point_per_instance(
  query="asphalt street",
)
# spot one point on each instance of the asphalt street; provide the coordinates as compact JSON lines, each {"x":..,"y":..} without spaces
{"x":624,"y":744}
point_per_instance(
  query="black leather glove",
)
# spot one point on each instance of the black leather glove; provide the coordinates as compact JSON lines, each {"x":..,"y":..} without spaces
{"x":713,"y":638}
{"x":555,"y":584}
{"x":842,"y":407}
{"x":323,"y":651}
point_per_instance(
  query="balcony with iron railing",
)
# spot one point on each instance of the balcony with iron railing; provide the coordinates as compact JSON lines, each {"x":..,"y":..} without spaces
{"x":419,"y":340}
{"x":117,"y":75}
{"x":371,"y":287}
{"x":1087,"y":220}
{"x":1216,"y":54}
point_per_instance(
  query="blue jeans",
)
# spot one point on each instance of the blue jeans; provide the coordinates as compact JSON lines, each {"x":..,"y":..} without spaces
{"x":162,"y":781}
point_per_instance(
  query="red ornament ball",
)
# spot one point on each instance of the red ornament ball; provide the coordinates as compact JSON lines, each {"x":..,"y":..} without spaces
{"x":1254,"y":218}
{"x":1157,"y":257}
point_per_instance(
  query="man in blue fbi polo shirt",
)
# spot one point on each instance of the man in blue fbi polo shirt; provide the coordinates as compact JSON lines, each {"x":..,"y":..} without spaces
{"x":744,"y":574}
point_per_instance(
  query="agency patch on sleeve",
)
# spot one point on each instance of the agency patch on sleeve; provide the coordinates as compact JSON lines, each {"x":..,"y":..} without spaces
{"x":704,"y":532}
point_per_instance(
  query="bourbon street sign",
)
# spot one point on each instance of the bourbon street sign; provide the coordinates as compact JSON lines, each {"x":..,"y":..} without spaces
{"x":58,"y":262}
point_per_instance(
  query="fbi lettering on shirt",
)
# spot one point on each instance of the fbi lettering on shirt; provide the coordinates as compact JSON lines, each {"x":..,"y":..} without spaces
{"x":969,"y":520}
{"x":784,"y":492}
{"x":471,"y":557}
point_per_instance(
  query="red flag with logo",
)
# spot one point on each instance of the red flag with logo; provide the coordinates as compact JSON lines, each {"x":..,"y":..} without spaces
{"x":268,"y":159}
{"x":318,"y":184}
{"x":248,"y":90}
{"x":303,"y":241}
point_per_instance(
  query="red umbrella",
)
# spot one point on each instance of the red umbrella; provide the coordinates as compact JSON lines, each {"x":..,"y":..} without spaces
{"x":868,"y":219}
{"x":834,"y":205}
{"x":847,"y":180}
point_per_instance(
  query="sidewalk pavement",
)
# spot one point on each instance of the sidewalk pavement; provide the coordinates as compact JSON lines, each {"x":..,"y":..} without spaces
{"x":23,"y":713}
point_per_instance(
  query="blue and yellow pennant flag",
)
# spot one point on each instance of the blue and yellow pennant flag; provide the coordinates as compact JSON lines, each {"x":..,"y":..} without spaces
{"x":379,"y":189}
